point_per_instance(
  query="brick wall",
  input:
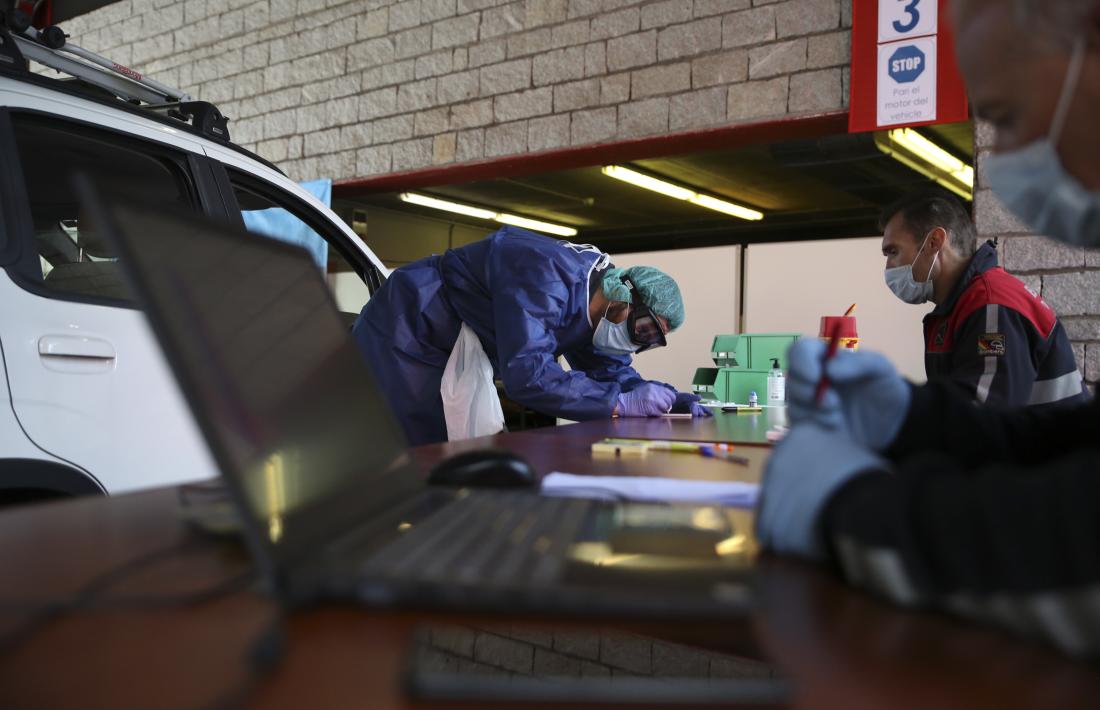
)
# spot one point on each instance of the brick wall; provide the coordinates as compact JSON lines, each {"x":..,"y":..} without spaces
{"x":1068,"y":278}
{"x":555,"y":652}
{"x":346,"y":88}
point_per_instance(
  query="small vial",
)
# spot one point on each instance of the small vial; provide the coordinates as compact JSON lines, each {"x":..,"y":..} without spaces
{"x":753,"y":399}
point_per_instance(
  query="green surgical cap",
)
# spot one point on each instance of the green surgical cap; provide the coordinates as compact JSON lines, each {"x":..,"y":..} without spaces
{"x":657,"y":289}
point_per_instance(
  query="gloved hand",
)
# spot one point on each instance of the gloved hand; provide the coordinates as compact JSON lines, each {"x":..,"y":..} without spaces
{"x":808,"y":466}
{"x":648,"y":400}
{"x":688,"y":403}
{"x":866,"y":396}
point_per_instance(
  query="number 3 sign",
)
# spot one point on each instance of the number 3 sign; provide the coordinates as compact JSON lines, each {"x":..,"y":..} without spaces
{"x":898,"y":19}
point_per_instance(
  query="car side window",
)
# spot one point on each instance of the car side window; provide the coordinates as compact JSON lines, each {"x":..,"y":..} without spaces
{"x":75,"y":260}
{"x":268,"y":211}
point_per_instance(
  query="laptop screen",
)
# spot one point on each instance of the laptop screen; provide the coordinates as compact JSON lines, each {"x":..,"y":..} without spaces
{"x":281,"y":393}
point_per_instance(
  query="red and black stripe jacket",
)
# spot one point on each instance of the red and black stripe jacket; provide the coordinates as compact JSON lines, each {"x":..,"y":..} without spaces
{"x":1001,"y":342}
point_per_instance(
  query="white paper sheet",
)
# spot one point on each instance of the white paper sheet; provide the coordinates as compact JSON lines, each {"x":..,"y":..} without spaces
{"x":737,"y":494}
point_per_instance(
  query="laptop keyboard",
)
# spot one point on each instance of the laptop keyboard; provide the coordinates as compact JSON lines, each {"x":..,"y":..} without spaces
{"x":497,"y":538}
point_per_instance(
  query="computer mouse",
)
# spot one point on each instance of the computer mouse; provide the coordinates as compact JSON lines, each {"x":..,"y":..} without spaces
{"x":496,"y":468}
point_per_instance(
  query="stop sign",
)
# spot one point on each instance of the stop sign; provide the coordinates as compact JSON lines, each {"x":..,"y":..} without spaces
{"x":906,"y":64}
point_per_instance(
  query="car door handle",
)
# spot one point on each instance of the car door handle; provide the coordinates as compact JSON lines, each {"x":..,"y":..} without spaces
{"x":75,"y":346}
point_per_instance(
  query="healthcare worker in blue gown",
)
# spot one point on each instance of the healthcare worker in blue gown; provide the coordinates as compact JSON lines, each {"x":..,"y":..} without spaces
{"x":528,"y":298}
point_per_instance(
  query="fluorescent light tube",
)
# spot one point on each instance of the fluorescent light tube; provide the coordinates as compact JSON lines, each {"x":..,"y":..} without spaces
{"x":680,"y":193}
{"x":457,"y":208}
{"x":918,"y":144}
{"x":480,"y":213}
{"x":909,"y":147}
{"x":712,"y":203}
{"x":535,"y":225}
{"x":650,"y":183}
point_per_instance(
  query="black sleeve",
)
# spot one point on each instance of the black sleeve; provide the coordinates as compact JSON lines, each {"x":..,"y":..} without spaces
{"x":993,"y":358}
{"x":1011,"y":544}
{"x":943,"y":418}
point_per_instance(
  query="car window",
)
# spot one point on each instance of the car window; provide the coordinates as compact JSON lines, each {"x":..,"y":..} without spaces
{"x":75,"y":260}
{"x":268,"y":211}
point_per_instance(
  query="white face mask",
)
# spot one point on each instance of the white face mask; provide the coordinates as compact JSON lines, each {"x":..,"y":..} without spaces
{"x":613,"y":338}
{"x":900,"y":280}
{"x":1034,"y":185}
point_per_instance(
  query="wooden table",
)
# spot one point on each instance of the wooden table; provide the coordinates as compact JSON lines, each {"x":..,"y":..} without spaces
{"x":747,"y":429}
{"x":568,"y":448}
{"x":842,"y":648}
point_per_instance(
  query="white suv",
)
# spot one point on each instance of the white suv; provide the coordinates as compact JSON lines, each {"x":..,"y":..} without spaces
{"x":87,"y":403}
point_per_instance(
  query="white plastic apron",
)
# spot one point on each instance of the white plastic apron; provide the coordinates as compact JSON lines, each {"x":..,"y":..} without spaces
{"x":470,"y":402}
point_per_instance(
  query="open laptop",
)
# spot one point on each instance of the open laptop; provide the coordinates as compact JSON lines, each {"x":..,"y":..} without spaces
{"x":330,"y":502}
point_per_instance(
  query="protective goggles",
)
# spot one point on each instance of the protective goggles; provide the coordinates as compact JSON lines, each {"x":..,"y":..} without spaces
{"x":644,"y":328}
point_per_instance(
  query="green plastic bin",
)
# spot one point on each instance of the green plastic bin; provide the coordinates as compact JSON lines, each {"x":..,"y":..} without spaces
{"x":730,"y":351}
{"x":703,"y":383}
{"x":734,"y":385}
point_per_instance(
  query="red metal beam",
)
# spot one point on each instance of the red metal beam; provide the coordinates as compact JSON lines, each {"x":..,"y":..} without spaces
{"x":55,"y":11}
{"x":602,"y":154}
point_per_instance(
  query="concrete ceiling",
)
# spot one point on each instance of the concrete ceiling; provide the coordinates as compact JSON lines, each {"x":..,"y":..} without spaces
{"x":810,"y":189}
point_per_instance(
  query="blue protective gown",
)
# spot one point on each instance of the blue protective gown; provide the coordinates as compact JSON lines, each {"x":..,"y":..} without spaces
{"x":526,"y":298}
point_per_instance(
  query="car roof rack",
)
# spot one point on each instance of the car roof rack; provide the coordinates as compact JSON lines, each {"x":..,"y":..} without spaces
{"x":50,"y":47}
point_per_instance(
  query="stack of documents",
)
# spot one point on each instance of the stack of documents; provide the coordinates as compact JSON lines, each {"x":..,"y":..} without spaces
{"x":735,"y":494}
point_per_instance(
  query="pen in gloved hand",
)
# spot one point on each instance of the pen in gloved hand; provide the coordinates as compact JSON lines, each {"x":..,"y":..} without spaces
{"x":830,"y":351}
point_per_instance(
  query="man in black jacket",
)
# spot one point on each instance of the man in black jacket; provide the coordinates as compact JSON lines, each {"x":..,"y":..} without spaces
{"x":914,"y":492}
{"x":988,"y":332}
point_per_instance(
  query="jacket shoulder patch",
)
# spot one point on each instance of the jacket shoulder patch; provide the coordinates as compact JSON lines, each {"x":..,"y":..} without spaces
{"x":991,"y":344}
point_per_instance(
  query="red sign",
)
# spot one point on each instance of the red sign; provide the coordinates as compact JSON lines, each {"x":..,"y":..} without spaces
{"x":904,"y":71}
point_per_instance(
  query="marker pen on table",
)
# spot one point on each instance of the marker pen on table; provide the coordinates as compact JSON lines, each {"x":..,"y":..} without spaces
{"x":711,"y":453}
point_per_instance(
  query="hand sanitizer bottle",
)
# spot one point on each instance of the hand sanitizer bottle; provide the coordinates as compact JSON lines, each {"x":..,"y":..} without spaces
{"x":777,"y":385}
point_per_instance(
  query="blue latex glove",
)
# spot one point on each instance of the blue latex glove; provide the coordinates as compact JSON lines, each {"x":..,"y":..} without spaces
{"x":688,"y":403}
{"x":805,"y":468}
{"x":866,"y":397}
{"x":648,"y":400}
